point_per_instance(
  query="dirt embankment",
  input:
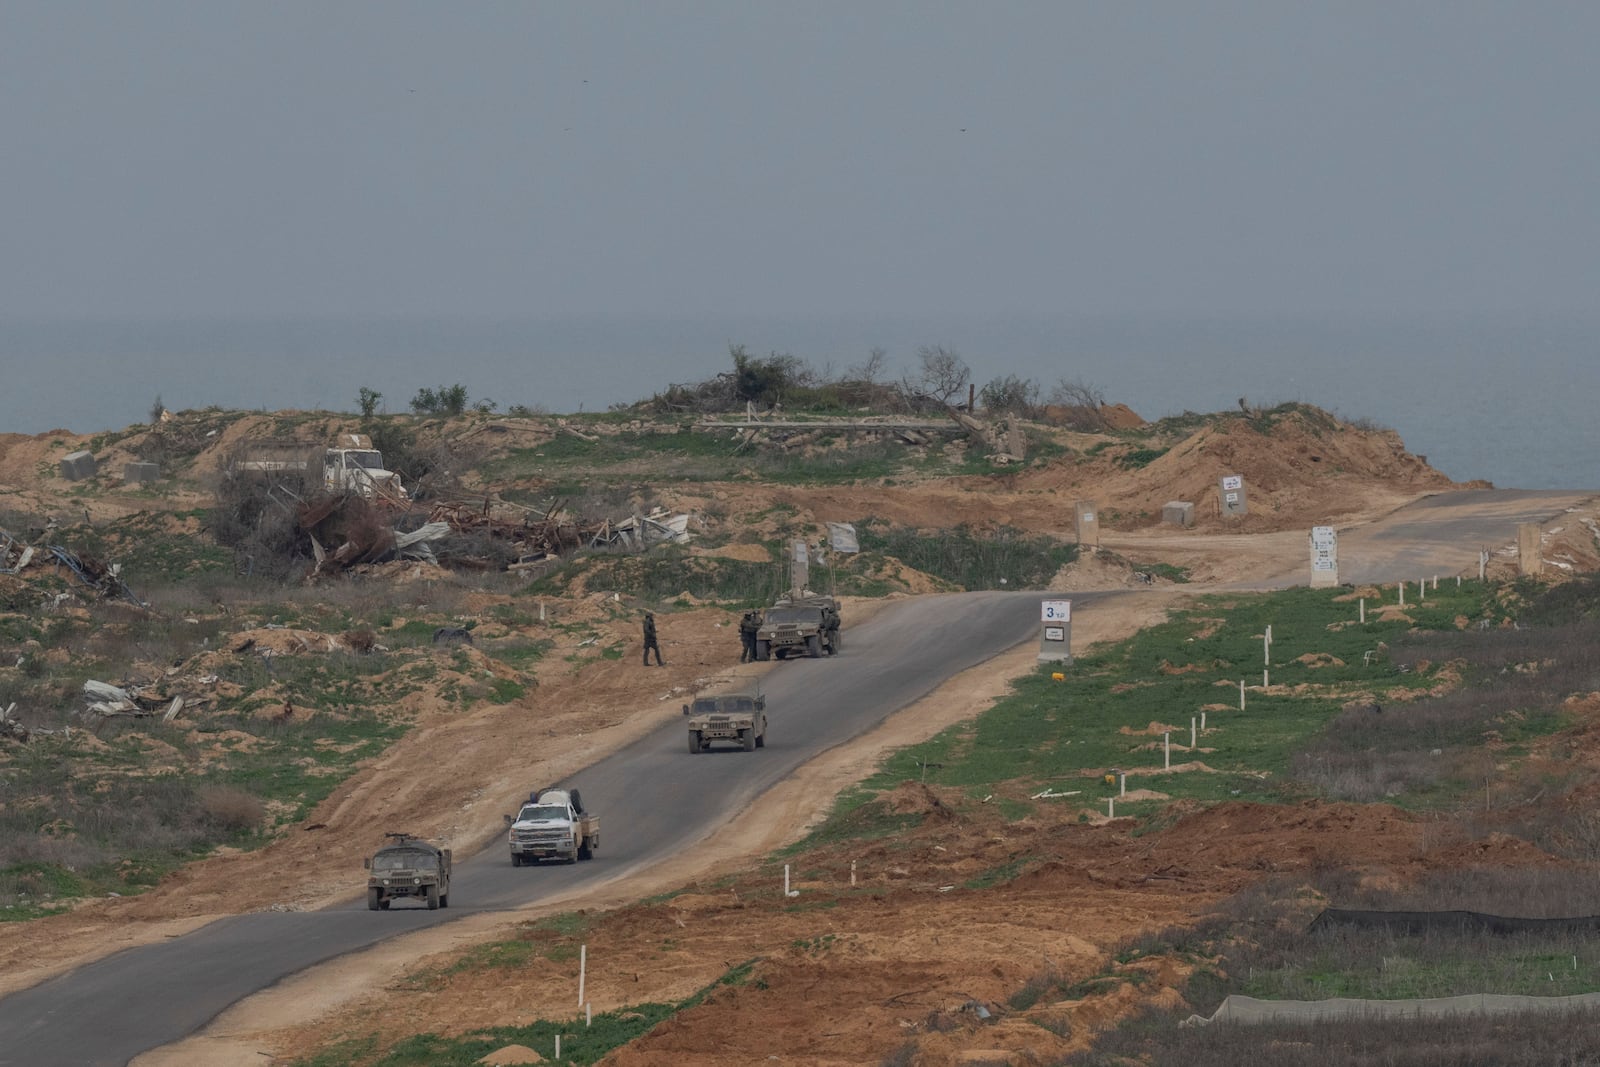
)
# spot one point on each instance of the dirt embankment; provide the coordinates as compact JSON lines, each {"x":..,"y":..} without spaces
{"x":840,"y":984}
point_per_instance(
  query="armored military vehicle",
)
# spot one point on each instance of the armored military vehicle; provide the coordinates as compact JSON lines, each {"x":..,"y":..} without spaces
{"x":794,"y":626}
{"x":738,"y":717}
{"x":408,"y":867}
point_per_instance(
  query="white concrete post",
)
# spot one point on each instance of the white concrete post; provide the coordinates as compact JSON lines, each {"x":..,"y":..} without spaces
{"x":1111,"y":807}
{"x":1192,"y":735}
{"x":1265,"y":684}
{"x":541,"y":611}
{"x":1266,"y":651}
{"x":852,"y":872}
{"x":1402,"y":594}
{"x":588,"y":1015}
{"x":1202,"y":722}
{"x":1122,"y":779}
{"x":558,"y":1046}
{"x":1422,"y":590}
{"x":1241,"y":694}
{"x":786,"y":890}
{"x":583,"y":969}
{"x":1166,"y":747}
{"x":1363,"y":611}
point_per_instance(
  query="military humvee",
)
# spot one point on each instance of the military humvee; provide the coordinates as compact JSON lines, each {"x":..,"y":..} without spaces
{"x":800,"y":625}
{"x":737,"y":717}
{"x":408,"y":867}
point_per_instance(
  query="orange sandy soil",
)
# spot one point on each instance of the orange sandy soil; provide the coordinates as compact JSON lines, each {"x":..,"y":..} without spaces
{"x":845,"y":984}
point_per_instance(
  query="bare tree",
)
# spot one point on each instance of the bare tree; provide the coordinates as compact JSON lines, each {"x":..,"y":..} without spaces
{"x":1082,"y":403}
{"x":869,"y":369}
{"x":944,"y":374}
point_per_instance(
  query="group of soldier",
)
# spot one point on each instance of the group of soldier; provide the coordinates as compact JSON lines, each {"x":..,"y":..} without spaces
{"x":749,"y":626}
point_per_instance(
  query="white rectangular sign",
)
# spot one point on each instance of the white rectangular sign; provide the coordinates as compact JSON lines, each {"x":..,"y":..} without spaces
{"x":1055,"y":611}
{"x":1054,"y":633}
{"x":1325,"y":552}
{"x":842,"y":536}
{"x":1232,"y":481}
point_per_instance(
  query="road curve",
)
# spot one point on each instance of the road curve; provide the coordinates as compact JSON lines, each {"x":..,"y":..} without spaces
{"x":654,"y":799}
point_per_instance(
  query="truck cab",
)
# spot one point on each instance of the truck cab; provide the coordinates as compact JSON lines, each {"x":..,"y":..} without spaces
{"x":552,"y":824}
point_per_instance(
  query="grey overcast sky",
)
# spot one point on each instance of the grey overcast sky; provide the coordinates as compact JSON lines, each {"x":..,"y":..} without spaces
{"x":167,"y":159}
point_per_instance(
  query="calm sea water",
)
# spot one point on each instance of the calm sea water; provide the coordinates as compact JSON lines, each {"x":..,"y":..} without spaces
{"x":1509,"y":400}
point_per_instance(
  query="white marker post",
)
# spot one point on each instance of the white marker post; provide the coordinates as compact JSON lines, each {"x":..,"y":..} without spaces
{"x":558,"y":1046}
{"x":583,"y":969}
{"x":1241,"y":694}
{"x":1266,"y":650}
{"x":1111,"y":807}
{"x":1193,"y":736}
{"x":1202,"y":722}
{"x":1166,"y":746}
{"x":1363,"y":611}
{"x":1402,"y":594}
{"x":852,"y":873}
{"x":1265,"y":684}
{"x":588,"y":1015}
{"x":1122,"y":779}
{"x":1422,"y":590}
{"x":1055,"y":631}
{"x":786,"y":890}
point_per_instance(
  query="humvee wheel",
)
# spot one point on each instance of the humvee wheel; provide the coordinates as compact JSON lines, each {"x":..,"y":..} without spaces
{"x":372,"y":899}
{"x":433,"y":898}
{"x":694,"y":742}
{"x":747,"y":737}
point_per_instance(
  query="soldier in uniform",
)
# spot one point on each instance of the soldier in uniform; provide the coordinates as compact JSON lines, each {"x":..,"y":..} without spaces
{"x":650,"y":640}
{"x":748,"y":627}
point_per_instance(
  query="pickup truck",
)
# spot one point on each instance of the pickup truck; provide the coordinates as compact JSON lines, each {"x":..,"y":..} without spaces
{"x":553,"y":825}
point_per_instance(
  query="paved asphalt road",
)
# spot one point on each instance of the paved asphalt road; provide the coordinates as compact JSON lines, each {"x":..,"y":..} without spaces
{"x":653,"y":797}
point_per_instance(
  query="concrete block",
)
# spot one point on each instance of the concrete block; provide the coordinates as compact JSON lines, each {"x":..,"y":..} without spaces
{"x":1530,"y":548}
{"x":1088,"y":523}
{"x":139,"y":473}
{"x":78,"y":466}
{"x":1232,"y":494}
{"x":1178,"y":513}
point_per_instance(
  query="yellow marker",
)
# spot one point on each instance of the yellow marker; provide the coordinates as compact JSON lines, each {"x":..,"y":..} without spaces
{"x":1058,"y":677}
{"x":1111,"y":779}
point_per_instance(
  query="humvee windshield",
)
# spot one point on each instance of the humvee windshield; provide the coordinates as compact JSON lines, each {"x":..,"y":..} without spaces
{"x":713,"y":704}
{"x":405,"y":859}
{"x":536,"y":812}
{"x":779,"y":616}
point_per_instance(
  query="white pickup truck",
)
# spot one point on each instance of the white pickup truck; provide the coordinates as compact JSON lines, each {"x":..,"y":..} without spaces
{"x":553,"y":825}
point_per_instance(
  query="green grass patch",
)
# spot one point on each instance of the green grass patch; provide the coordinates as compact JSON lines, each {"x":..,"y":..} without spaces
{"x":1067,"y":734}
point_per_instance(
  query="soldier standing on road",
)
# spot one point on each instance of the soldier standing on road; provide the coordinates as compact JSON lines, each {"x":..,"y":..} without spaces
{"x":650,"y":640}
{"x":748,"y":627}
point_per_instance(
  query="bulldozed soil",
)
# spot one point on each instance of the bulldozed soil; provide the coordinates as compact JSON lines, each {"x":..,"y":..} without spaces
{"x":852,"y":979}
